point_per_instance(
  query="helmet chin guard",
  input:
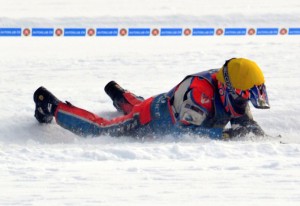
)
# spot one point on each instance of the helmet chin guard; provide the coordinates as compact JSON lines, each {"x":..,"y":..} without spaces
{"x":259,"y":97}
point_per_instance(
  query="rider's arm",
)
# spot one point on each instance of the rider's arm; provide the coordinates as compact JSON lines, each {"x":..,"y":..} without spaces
{"x":243,"y":125}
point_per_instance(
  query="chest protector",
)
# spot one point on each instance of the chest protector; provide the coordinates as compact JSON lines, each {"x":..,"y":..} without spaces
{"x":219,"y":118}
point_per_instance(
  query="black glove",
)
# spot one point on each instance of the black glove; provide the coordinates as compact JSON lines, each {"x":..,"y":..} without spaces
{"x":240,"y":131}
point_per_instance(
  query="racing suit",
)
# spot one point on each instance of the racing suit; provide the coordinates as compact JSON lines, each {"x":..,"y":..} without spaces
{"x":193,"y":106}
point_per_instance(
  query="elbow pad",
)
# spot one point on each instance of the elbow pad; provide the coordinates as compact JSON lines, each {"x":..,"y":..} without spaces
{"x":190,"y":114}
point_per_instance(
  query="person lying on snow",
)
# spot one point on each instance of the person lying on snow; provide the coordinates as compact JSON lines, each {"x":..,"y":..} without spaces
{"x":201,"y":104}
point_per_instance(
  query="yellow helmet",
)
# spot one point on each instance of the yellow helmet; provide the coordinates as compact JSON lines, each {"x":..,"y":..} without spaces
{"x":240,"y":80}
{"x":243,"y":74}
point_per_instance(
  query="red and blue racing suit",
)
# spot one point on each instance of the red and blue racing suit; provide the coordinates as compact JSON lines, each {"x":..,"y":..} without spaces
{"x":193,"y":106}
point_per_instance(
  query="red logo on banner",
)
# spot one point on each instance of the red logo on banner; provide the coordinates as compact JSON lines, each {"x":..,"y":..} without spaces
{"x":219,"y":32}
{"x":251,"y":31}
{"x":26,"y":32}
{"x":123,"y":32}
{"x":155,"y":32}
{"x":283,"y":31}
{"x":187,"y":32}
{"x":91,"y":32}
{"x":58,"y":32}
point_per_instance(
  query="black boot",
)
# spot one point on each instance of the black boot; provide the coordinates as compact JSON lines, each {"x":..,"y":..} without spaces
{"x":123,"y":100}
{"x":115,"y":92}
{"x":45,"y":105}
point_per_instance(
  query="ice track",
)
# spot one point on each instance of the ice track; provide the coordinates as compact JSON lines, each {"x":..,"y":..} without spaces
{"x":47,"y":165}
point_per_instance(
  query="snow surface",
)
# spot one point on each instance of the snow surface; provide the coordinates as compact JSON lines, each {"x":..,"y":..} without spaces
{"x":47,"y":165}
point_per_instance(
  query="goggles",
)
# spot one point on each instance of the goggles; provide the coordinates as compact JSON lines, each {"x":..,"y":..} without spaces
{"x":233,"y":103}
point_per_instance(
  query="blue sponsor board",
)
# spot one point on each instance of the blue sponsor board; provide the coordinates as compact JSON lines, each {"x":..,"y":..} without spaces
{"x":107,"y":32}
{"x":203,"y":32}
{"x":267,"y":31}
{"x":170,"y":31}
{"x":138,"y":32}
{"x":10,"y":31}
{"x":294,"y":31}
{"x":235,"y":31}
{"x":74,"y":32}
{"x":42,"y":31}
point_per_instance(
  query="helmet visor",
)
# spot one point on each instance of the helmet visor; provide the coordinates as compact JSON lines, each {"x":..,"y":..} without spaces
{"x":259,"y":97}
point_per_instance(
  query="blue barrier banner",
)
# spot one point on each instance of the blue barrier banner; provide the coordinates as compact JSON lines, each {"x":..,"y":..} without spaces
{"x":267,"y":31}
{"x":10,"y":31}
{"x":294,"y":31}
{"x":42,"y":31}
{"x":139,"y":32}
{"x":107,"y":32}
{"x":203,"y":32}
{"x":171,"y":32}
{"x":115,"y":31}
{"x":74,"y":32}
{"x":235,"y":31}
